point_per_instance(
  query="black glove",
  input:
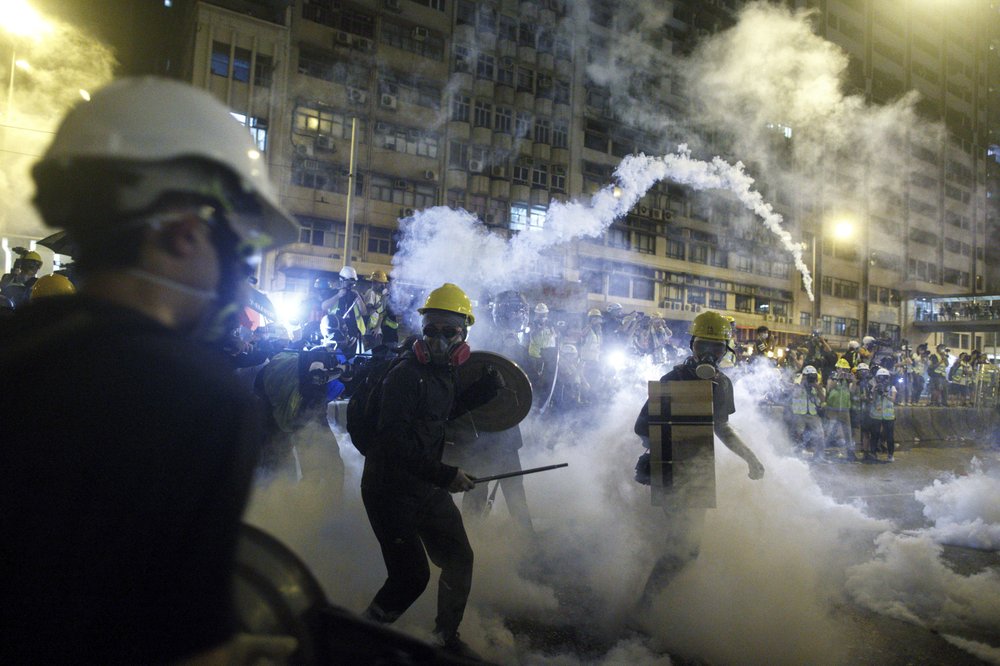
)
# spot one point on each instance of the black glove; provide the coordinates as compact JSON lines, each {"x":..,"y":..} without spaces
{"x":494,"y":376}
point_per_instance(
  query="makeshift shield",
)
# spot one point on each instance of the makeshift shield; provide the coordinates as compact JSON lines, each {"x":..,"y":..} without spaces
{"x":512,"y":403}
{"x":682,"y":444}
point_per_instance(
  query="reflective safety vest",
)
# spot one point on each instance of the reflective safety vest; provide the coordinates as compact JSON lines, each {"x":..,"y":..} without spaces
{"x":543,"y":338}
{"x":590,"y":346}
{"x":883,"y":408}
{"x":803,"y":404}
{"x":838,"y":398}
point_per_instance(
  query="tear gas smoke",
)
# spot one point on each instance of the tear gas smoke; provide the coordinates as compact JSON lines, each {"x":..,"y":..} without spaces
{"x":62,"y":63}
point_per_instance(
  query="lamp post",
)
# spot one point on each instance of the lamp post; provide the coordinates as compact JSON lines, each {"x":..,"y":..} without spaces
{"x":20,"y":20}
{"x":842,"y":229}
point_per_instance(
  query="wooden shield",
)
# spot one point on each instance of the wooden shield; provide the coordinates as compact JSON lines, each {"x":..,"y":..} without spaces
{"x":682,"y":444}
{"x":512,"y":403}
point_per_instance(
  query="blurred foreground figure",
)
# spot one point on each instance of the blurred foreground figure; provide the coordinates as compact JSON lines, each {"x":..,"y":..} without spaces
{"x":710,"y":335}
{"x":405,"y":485}
{"x":128,"y":447}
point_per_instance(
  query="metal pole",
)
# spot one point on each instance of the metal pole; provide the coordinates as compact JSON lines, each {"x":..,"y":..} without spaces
{"x":10,"y":82}
{"x":817,"y":283}
{"x":348,"y":226}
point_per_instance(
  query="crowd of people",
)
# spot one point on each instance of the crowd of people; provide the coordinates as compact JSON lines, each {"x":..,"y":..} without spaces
{"x":961,"y":310}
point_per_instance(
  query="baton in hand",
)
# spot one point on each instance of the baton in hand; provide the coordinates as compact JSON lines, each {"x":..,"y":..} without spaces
{"x":507,"y":475}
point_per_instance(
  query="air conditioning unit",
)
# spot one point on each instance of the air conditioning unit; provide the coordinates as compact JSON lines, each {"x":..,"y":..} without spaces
{"x":643,"y":210}
{"x":357,"y":96}
{"x":326,"y":143}
{"x":342,"y":38}
{"x":382,"y":128}
{"x":497,"y":171}
{"x":420,"y":33}
{"x":656,"y":213}
{"x":668,"y":214}
{"x":430,"y":175}
{"x":401,"y":184}
{"x":362,"y":44}
{"x":303,"y":150}
{"x":406,"y":212}
{"x":559,"y":170}
{"x":387,"y":101}
{"x":476,"y":166}
{"x":489,"y":218}
{"x":392,"y":4}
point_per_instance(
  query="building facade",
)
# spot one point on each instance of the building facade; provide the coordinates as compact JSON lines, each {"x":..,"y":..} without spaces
{"x":487,"y":106}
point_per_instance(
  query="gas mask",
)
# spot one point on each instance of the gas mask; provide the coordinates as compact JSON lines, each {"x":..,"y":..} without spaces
{"x":443,"y":341}
{"x":706,"y":357}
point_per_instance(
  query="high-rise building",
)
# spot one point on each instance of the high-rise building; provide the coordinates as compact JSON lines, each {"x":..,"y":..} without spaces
{"x":488,"y":106}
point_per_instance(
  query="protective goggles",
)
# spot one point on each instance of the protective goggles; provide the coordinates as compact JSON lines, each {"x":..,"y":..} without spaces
{"x":435,"y":331}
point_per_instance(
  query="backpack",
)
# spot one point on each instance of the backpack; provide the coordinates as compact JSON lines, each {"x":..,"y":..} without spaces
{"x":362,"y":408}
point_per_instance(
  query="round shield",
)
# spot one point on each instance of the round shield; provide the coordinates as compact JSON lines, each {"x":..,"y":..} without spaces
{"x":512,"y":403}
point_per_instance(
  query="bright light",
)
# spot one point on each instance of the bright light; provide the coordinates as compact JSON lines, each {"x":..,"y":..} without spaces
{"x":23,"y":65}
{"x":616,"y":192}
{"x":85,"y":95}
{"x":253,"y":154}
{"x":21,"y":20}
{"x":843,"y":229}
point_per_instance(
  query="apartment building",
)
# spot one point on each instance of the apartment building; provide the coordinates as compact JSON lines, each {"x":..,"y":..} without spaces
{"x":487,"y":106}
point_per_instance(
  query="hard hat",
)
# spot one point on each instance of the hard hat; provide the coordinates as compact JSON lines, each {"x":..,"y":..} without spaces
{"x":541,"y":308}
{"x":862,"y":366}
{"x":867,"y":339}
{"x":568,"y":349}
{"x":853,"y":344}
{"x":378,"y":276}
{"x":348,"y":273}
{"x":809,"y":370}
{"x":156,"y":128}
{"x":593,"y":312}
{"x":52,"y":285}
{"x":32,"y":256}
{"x":614,"y":307}
{"x":451,"y":298}
{"x":711,"y":326}
{"x":843,"y":364}
{"x":882,"y":372}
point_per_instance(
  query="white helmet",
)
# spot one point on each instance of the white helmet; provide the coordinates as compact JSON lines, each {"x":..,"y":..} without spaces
{"x":348,"y":273}
{"x":862,"y":366}
{"x":882,"y":372}
{"x":152,"y":123}
{"x":541,"y":308}
{"x":867,"y":340}
{"x":853,"y":344}
{"x":809,"y":370}
{"x":568,"y":350}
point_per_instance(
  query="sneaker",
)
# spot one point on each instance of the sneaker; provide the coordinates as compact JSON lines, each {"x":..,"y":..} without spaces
{"x":890,"y":459}
{"x":454,"y":645}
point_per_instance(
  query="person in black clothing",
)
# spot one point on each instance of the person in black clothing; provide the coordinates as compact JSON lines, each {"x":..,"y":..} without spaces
{"x":710,"y":333}
{"x":128,"y":448}
{"x":405,"y":485}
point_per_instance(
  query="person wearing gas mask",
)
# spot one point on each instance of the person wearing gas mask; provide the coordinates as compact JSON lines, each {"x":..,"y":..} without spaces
{"x":710,"y":335}
{"x":808,"y":398}
{"x":882,"y":411}
{"x":347,"y":305}
{"x":405,"y":487}
{"x":542,"y":353}
{"x":120,"y":520}
{"x":383,"y":326}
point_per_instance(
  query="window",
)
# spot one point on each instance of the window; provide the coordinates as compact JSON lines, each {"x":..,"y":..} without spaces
{"x":326,"y":66}
{"x":483,"y":114}
{"x":321,"y":175}
{"x":560,"y":135}
{"x":826,"y":325}
{"x":525,"y":80}
{"x":324,"y":121}
{"x":381,"y":241}
{"x":257,"y":127}
{"x":508,"y":28}
{"x":523,"y":218}
{"x":503,"y":119}
{"x":462,"y":58}
{"x":540,"y":176}
{"x":617,"y":236}
{"x":433,"y":4}
{"x":696,"y":295}
{"x":523,"y":125}
{"x":717,"y":299}
{"x":406,"y":140}
{"x":543,"y":128}
{"x":505,"y":72}
{"x":522,"y":172}
{"x":241,"y":65}
{"x":595,"y":136}
{"x":460,"y":108}
{"x":485,"y":66}
{"x":417,"y":40}
{"x":458,"y":155}
{"x":744,"y":264}
{"x":560,"y":94}
{"x":698,"y":253}
{"x":744,"y":303}
{"x":263,"y":70}
{"x":465,"y":13}
{"x":805,"y":319}
{"x":559,"y":178}
{"x":675,"y":249}
{"x":220,"y":59}
{"x":402,"y":192}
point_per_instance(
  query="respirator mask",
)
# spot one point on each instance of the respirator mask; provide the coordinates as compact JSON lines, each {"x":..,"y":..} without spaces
{"x":706,"y":357}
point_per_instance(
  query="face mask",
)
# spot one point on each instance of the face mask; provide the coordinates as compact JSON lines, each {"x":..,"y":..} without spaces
{"x":707,"y":354}
{"x":440,"y":340}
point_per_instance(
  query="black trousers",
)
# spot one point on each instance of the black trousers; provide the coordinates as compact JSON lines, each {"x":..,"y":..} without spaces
{"x":404,"y":529}
{"x":883,"y":431}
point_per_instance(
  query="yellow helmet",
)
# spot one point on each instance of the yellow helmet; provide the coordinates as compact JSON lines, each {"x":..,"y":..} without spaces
{"x":451,"y":298}
{"x":711,"y":326}
{"x":378,"y":276}
{"x":52,"y":285}
{"x":32,"y":256}
{"x":593,"y":312}
{"x":843,"y":364}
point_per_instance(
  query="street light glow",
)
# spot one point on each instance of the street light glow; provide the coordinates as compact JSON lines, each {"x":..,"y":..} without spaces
{"x":22,"y":65}
{"x":843,"y":229}
{"x":85,"y":95}
{"x":22,"y":20}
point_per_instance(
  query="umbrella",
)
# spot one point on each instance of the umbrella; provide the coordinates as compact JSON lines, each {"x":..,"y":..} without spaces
{"x":260,"y":303}
{"x":59,"y":243}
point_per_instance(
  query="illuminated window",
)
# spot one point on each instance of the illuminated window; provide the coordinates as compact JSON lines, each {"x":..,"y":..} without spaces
{"x":220,"y":59}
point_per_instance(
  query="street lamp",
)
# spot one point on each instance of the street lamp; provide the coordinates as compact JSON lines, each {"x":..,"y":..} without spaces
{"x":20,"y":21}
{"x":841,"y":229}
